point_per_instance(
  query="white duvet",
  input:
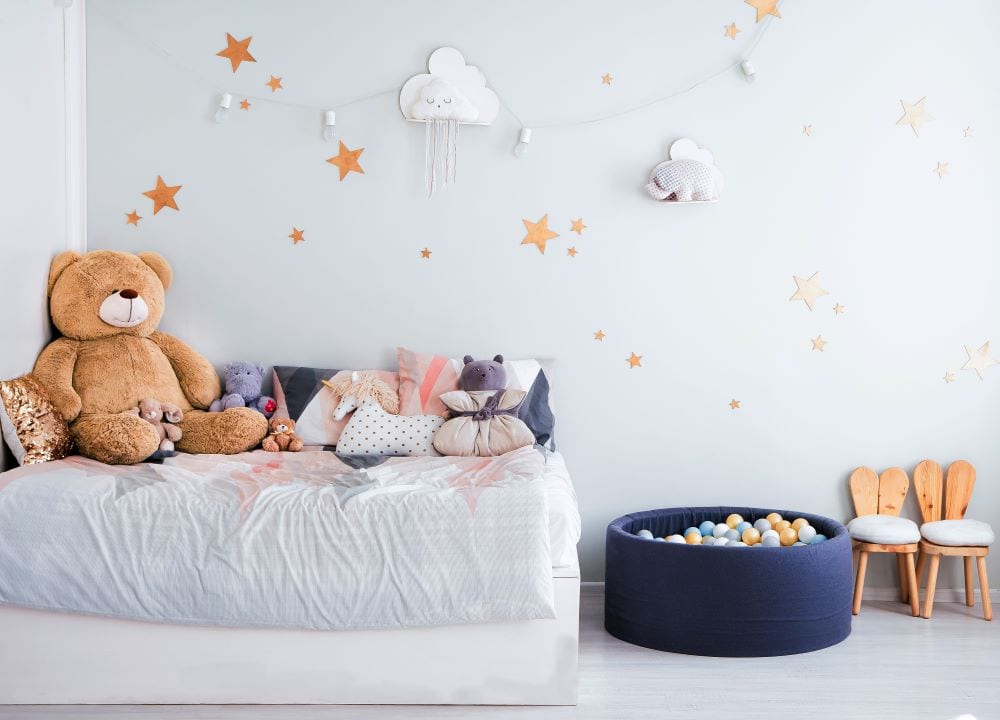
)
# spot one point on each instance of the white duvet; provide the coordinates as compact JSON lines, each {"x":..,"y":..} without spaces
{"x":289,"y":540}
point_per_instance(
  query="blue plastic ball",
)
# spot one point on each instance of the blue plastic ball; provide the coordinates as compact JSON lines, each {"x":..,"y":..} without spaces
{"x":706,"y":528}
{"x":731,"y":535}
{"x":644,"y":533}
{"x":762,"y":525}
{"x":818,"y":538}
{"x":743,"y":526}
{"x":661,"y":539}
{"x":770,"y":541}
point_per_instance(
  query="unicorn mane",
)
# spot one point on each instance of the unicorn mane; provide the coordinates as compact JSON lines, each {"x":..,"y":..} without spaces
{"x":366,"y":386}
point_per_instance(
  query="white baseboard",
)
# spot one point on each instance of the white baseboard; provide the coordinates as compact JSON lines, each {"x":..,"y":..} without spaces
{"x":949,"y":595}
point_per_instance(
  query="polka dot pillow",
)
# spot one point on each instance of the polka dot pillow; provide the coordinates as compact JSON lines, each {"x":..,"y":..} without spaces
{"x":384,"y":434}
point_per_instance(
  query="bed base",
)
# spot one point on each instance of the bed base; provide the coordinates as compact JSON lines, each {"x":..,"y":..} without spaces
{"x":59,"y":658}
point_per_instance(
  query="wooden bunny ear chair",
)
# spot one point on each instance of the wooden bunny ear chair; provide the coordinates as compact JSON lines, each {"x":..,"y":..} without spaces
{"x":879,"y":529}
{"x":954,"y":535}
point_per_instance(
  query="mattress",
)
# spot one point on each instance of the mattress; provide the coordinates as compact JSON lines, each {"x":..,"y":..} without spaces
{"x":299,"y":540}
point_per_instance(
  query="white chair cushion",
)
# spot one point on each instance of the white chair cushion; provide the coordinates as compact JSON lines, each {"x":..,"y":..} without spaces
{"x":884,"y":530}
{"x":958,"y":533}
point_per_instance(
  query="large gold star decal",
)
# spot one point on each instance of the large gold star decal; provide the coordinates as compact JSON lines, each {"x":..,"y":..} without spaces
{"x":297,"y":235}
{"x":275,"y":84}
{"x":979,"y":359}
{"x":818,"y":343}
{"x":764,"y":8}
{"x":425,"y":254}
{"x":730,"y":31}
{"x":914,"y":115}
{"x":347,"y":160}
{"x":607,"y":79}
{"x":807,"y":290}
{"x":600,"y":335}
{"x":634,"y":360}
{"x":941,"y":170}
{"x":538,"y":233}
{"x":237,"y":51}
{"x":133,"y":218}
{"x":163,"y":195}
{"x":734,"y":404}
{"x":577,"y":226}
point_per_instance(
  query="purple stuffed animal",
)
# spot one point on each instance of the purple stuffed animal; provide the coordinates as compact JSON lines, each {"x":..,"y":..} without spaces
{"x":483,"y":374}
{"x":243,"y":389}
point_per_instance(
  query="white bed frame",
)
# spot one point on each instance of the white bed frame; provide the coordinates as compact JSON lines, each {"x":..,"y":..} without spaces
{"x":59,"y":658}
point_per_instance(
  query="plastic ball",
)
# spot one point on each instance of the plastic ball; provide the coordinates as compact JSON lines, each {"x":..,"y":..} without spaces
{"x":769,"y":533}
{"x":719,"y":542}
{"x":706,"y":528}
{"x":644,"y":533}
{"x":781,"y":525}
{"x":661,"y":539}
{"x":774,"y":518}
{"x":817,"y":538}
{"x":720,"y":530}
{"x":690,"y":530}
{"x":751,"y":536}
{"x":795,"y":544}
{"x":734,"y":520}
{"x":693,"y":538}
{"x":738,"y":543}
{"x":676,"y":539}
{"x":771,"y":541}
{"x":731,"y":535}
{"x":743,"y":526}
{"x":788,"y":536}
{"x":709,"y":540}
{"x":762,"y":525}
{"x":807,"y":533}
{"x":799,"y":523}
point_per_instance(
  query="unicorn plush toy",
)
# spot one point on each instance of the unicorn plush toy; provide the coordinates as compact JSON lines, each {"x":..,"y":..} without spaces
{"x":376,"y":428}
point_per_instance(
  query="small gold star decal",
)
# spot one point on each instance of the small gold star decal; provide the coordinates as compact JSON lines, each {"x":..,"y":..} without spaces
{"x":730,"y":30}
{"x":538,"y":233}
{"x":600,"y":335}
{"x":807,"y":130}
{"x":764,"y":7}
{"x":734,"y":404}
{"x":425,"y":254}
{"x":275,"y":84}
{"x":819,"y":343}
{"x":634,"y":360}
{"x":967,"y":132}
{"x":979,"y":359}
{"x":133,"y":218}
{"x":914,"y":115}
{"x":941,"y":170}
{"x":606,"y":79}
{"x":949,"y":377}
{"x":577,"y":226}
{"x":244,"y":104}
{"x":838,"y":309}
{"x":297,"y":235}
{"x":572,"y":252}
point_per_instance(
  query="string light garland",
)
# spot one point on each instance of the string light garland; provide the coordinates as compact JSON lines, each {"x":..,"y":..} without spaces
{"x":328,"y":112}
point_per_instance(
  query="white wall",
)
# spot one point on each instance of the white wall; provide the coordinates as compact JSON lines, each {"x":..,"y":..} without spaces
{"x":33,"y":187}
{"x":700,"y":292}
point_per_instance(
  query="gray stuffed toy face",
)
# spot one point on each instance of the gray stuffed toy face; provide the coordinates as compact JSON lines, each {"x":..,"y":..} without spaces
{"x":483,"y":374}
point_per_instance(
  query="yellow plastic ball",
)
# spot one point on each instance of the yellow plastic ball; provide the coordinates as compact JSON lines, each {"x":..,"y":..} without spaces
{"x":734,"y":520}
{"x":751,"y":536}
{"x":773,"y":518}
{"x":693,"y":538}
{"x":781,"y":525}
{"x":788,"y":536}
{"x":799,"y":523}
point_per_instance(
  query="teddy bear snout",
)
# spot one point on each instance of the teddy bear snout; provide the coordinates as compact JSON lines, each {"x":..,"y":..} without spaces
{"x":124,"y":309}
{"x":129,"y":294}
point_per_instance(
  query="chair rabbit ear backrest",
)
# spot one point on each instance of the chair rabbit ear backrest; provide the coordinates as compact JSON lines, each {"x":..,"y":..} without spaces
{"x":864,"y":491}
{"x":928,"y":480}
{"x":958,"y":489}
{"x":892,"y":486}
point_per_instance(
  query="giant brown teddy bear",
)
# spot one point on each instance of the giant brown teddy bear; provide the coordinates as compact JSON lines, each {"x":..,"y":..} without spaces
{"x":107,"y":306}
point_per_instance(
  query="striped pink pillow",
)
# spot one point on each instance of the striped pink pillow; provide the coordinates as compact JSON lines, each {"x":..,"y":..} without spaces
{"x":422,"y":380}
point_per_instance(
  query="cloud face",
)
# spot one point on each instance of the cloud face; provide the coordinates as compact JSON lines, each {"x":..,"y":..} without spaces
{"x":452,"y":79}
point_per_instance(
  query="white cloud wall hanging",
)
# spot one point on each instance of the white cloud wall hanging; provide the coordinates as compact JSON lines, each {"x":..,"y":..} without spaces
{"x":451,"y":94}
{"x":690,"y":175}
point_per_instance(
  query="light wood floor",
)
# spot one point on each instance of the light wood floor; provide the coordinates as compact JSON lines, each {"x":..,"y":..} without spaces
{"x":892,"y":666}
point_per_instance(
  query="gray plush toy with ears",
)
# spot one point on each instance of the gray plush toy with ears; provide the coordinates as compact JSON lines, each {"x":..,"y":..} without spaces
{"x":244,"y":382}
{"x":483,"y":374}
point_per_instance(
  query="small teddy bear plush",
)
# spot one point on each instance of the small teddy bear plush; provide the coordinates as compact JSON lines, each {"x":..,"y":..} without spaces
{"x":483,"y":374}
{"x":243,"y":389}
{"x":282,"y":436}
{"x":161,"y":416}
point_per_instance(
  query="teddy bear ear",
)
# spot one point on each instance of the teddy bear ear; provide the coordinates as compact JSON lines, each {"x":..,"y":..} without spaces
{"x":260,"y":369}
{"x":467,"y":359}
{"x":159,"y":265}
{"x":59,"y":263}
{"x":498,"y":358}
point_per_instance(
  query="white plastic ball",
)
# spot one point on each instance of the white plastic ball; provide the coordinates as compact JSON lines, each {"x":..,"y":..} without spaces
{"x":708,"y":540}
{"x":732,"y":535}
{"x":807,"y":533}
{"x":720,"y":529}
{"x":676,"y":539}
{"x":661,"y":539}
{"x":795,"y":544}
{"x":719,"y":542}
{"x":770,"y":534}
{"x":644,"y":533}
{"x":770,"y":541}
{"x":762,"y":525}
{"x":738,"y":543}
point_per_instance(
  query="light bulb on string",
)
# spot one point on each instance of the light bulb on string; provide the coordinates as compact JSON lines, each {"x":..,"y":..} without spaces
{"x":521,"y":149}
{"x":749,"y":71}
{"x":329,"y":125}
{"x":222,"y":112}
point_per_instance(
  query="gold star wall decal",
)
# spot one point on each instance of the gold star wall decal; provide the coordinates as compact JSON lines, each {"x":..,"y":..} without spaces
{"x":734,"y":404}
{"x":237,"y":51}
{"x":347,"y":160}
{"x":577,"y":226}
{"x":967,"y":132}
{"x":425,"y":254}
{"x":979,"y":359}
{"x":838,"y":309}
{"x":133,"y":218}
{"x":807,"y":290}
{"x":807,"y":130}
{"x":572,"y":252}
{"x":764,"y":8}
{"x":297,"y":235}
{"x":600,"y":335}
{"x":538,"y":233}
{"x":163,"y":195}
{"x":949,"y":377}
{"x":730,"y":30}
{"x":914,"y":115}
{"x":275,"y":84}
{"x":634,"y":360}
{"x":941,"y":170}
{"x":607,"y":79}
{"x":818,"y":343}
{"x":244,"y":104}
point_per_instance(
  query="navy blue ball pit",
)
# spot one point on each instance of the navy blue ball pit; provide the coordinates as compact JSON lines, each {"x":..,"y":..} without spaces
{"x":726,"y":601}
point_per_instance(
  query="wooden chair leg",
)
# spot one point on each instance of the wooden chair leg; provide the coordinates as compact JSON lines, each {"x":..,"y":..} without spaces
{"x":859,"y":582}
{"x":932,"y":572}
{"x":911,"y":581}
{"x":903,"y":582}
{"x":984,"y":588}
{"x":921,"y":561}
{"x":970,"y":598}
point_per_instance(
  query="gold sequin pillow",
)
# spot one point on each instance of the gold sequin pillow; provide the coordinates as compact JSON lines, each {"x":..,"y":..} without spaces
{"x":32,"y":427}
